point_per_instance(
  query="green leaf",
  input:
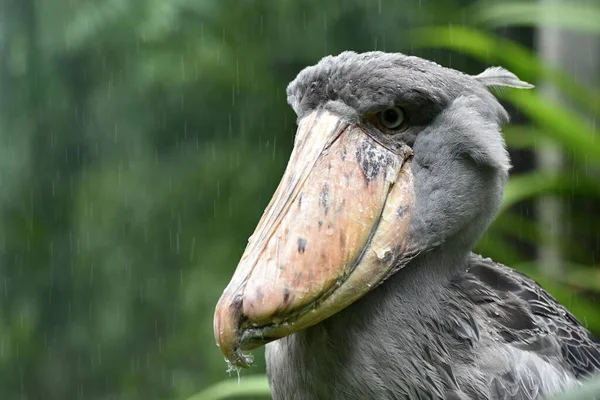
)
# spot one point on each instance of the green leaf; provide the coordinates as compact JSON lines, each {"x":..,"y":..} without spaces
{"x":560,"y":124}
{"x":577,"y":17}
{"x":529,"y":230}
{"x":257,"y":385}
{"x":524,"y":137}
{"x":532,"y":184}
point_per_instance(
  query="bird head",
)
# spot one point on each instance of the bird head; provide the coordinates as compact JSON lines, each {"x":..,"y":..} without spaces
{"x":394,"y":155}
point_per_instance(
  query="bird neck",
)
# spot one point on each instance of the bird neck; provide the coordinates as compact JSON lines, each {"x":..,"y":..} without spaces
{"x":419,"y":282}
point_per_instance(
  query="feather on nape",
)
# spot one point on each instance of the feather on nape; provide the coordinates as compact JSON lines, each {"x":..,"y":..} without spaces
{"x":501,"y":77}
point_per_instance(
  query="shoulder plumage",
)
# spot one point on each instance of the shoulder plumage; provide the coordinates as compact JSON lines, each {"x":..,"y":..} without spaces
{"x":529,"y":318}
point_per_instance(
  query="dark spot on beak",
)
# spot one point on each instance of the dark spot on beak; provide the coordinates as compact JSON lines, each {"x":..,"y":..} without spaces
{"x":402,"y":211}
{"x":344,"y":154}
{"x":286,"y":294}
{"x":324,"y":198}
{"x":300,"y":200}
{"x":342,"y":240}
{"x":301,"y":245}
{"x":371,"y":160}
{"x":320,"y":224}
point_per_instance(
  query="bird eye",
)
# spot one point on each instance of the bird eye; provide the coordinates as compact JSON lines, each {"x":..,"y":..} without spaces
{"x":392,"y":118}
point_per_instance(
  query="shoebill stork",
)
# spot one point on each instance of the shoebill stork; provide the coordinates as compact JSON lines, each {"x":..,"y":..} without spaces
{"x":360,"y":275}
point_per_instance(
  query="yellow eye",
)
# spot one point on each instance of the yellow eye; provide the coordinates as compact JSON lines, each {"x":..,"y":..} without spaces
{"x":391,"y":118}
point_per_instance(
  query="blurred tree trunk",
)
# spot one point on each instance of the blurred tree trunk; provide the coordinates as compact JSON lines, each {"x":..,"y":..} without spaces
{"x":578,"y":55}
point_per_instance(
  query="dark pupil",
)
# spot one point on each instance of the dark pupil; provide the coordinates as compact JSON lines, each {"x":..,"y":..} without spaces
{"x":390,"y":116}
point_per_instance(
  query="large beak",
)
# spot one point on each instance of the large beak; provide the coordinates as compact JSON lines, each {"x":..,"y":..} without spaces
{"x":333,"y":230}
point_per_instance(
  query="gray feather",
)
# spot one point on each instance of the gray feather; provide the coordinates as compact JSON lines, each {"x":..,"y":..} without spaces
{"x":498,"y":76}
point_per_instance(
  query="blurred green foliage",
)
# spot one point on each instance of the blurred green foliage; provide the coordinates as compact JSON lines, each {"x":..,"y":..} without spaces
{"x":141,"y":139}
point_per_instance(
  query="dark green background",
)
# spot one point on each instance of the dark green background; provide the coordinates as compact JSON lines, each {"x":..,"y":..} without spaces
{"x":140,"y":141}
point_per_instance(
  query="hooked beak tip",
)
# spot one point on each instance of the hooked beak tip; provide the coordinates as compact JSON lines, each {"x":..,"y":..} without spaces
{"x":228,"y":318}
